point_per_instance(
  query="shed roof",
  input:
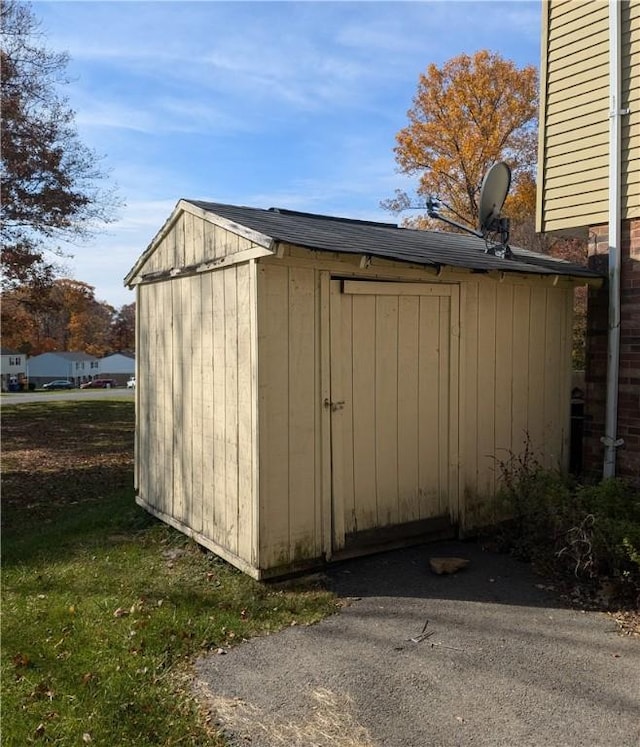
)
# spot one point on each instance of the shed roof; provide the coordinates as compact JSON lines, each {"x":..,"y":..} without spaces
{"x":384,"y":240}
{"x":387,"y":240}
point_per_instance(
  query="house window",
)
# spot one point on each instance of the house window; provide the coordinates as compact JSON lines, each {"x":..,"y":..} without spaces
{"x":94,"y":364}
{"x":14,"y":361}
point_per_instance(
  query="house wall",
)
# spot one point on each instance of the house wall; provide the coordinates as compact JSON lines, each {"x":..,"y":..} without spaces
{"x":116,"y":364}
{"x":48,"y":366}
{"x":574,"y":114}
{"x":514,"y":353}
{"x":573,"y":164}
{"x":196,"y":463}
{"x":628,"y":456}
{"x":14,"y":366}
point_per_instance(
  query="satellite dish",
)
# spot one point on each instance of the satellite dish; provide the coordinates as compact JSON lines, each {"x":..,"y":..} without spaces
{"x":494,"y":190}
{"x":493,"y":228}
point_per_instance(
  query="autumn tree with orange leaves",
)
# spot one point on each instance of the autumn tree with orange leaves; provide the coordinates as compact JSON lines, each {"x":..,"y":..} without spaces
{"x":468,"y":114}
{"x":473,"y":111}
{"x":64,"y":315}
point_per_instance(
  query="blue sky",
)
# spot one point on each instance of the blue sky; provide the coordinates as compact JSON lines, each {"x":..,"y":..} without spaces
{"x":288,"y":104}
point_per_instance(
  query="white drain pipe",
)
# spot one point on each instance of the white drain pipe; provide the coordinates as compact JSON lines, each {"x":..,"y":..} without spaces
{"x":610,"y":440}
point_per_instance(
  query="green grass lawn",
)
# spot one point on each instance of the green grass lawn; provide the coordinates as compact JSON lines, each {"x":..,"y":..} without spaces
{"x":103,"y":607}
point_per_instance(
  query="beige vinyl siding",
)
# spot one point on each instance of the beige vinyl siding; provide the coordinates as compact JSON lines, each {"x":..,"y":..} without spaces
{"x":574,"y":119}
{"x":630,"y":42}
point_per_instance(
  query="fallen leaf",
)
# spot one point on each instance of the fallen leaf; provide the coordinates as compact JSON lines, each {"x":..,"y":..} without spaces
{"x":21,"y":660}
{"x":86,"y":738}
{"x":121,"y":612}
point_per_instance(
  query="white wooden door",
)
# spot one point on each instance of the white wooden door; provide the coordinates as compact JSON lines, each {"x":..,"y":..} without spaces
{"x":393,"y":405}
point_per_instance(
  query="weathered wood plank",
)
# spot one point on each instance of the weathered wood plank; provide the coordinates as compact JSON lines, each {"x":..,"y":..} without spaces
{"x":386,"y":413}
{"x":504,"y":371}
{"x":408,"y":410}
{"x":429,"y":407}
{"x":520,"y":368}
{"x":219,"y":408}
{"x":208,"y":441}
{"x":246,"y":503}
{"x":537,"y":346}
{"x":231,"y":408}
{"x":302,"y":424}
{"x":444,"y":402}
{"x":339,"y":394}
{"x":195,"y":290}
{"x":486,"y":386}
{"x":364,"y":412}
{"x":273,"y":341}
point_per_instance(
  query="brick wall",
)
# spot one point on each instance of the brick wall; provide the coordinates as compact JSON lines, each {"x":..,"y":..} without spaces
{"x":628,"y":456}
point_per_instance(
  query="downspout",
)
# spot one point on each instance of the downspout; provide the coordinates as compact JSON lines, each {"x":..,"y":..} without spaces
{"x":610,"y":440}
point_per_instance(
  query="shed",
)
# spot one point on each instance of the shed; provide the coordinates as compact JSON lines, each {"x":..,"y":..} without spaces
{"x":312,"y":387}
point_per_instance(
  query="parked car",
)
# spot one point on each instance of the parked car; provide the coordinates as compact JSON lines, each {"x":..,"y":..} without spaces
{"x":99,"y":384}
{"x":131,"y":384}
{"x":58,"y":384}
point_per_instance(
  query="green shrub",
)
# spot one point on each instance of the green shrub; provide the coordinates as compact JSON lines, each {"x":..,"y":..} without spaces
{"x":590,"y":532}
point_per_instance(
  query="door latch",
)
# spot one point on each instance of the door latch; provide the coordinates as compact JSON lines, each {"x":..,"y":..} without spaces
{"x":333,"y":405}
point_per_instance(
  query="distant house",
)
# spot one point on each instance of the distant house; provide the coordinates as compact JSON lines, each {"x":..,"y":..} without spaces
{"x":312,"y":387}
{"x":117,"y":366}
{"x":75,"y":366}
{"x":589,"y":185}
{"x":14,"y":367}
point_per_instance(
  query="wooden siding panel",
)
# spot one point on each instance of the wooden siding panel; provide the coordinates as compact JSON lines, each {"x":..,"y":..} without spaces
{"x":177,"y":488}
{"x":386,"y":409}
{"x":273,"y":347}
{"x":486,"y":386}
{"x":520,"y":381}
{"x":537,"y":347}
{"x":303,"y":539}
{"x":408,"y":414}
{"x":504,"y":370}
{"x":231,"y":408}
{"x":341,"y":389}
{"x":164,"y":363}
{"x":208,"y":410}
{"x":430,"y":441}
{"x":219,"y":408}
{"x":469,"y":398}
{"x":246,"y":504}
{"x":364,"y":413}
{"x":195,"y":289}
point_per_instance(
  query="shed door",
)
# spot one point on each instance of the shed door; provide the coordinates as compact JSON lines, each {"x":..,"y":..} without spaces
{"x":393,"y":409}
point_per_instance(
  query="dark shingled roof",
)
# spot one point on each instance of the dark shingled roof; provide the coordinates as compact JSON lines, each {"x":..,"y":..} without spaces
{"x":388,"y":241}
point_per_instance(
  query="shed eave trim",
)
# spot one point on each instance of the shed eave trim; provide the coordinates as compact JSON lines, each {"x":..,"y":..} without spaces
{"x":217,"y":220}
{"x":184,"y":206}
{"x":129,"y":280}
{"x":209,"y":266}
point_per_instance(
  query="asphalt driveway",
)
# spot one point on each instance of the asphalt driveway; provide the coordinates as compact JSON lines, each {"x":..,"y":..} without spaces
{"x":501,"y":661}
